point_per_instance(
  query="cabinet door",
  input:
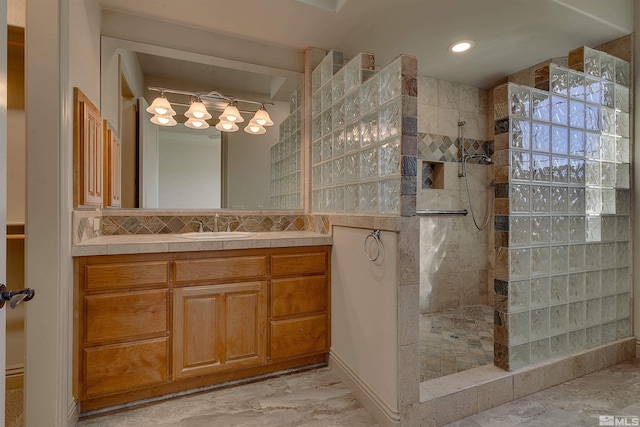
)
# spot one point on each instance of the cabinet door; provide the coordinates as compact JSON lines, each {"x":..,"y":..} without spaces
{"x":112,"y":167}
{"x":88,"y":152}
{"x":218,"y":327}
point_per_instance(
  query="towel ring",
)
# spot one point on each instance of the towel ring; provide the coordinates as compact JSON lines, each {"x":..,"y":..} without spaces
{"x":375,"y":235}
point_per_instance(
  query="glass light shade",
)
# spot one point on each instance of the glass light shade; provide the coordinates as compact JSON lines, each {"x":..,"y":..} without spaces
{"x":197,"y":110}
{"x":231,"y":114}
{"x":196,"y":124}
{"x":254,"y":129}
{"x":262,"y":117}
{"x":227,"y":126}
{"x":161,"y":107}
{"x":163,"y":120}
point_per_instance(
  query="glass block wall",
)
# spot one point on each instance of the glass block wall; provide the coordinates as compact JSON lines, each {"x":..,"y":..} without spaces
{"x":364,"y":136}
{"x":285,"y":158}
{"x":562,"y":210}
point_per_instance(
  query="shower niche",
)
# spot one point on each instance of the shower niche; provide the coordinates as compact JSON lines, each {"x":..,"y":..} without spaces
{"x":433,"y":175}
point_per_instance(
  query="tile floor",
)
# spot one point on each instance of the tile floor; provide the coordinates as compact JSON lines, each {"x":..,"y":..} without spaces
{"x":611,"y":392}
{"x":314,"y":398}
{"x":318,"y":399}
{"x":455,"y":340}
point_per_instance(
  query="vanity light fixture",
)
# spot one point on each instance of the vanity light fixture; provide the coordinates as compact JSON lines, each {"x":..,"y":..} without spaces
{"x":254,"y":129}
{"x":161,"y":106}
{"x":163,"y":120}
{"x":461,"y":46}
{"x":262,"y":117}
{"x":231,"y":113}
{"x":198,"y":113}
{"x":196,"y":124}
{"x":226,"y":126}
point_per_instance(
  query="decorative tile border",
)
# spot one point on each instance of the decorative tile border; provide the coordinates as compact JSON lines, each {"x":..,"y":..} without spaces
{"x":170,"y":224}
{"x":442,"y":148}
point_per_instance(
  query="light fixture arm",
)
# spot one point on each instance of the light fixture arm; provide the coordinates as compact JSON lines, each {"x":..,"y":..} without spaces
{"x":214,"y":94}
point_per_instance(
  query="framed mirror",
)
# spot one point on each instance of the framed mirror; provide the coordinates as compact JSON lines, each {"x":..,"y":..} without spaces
{"x":176,"y":167}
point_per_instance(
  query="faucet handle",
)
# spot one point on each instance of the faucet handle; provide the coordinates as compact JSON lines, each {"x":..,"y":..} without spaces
{"x":200,"y":225}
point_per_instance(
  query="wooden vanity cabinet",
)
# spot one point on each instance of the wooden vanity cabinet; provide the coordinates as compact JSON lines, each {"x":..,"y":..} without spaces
{"x":153,"y":324}
{"x":112,"y":167}
{"x":88,"y":152}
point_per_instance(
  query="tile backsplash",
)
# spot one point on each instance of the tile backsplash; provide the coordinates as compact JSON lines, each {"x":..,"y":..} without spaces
{"x":88,"y":225}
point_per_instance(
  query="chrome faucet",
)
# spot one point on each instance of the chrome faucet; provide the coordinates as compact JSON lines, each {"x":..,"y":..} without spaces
{"x":200,"y":226}
{"x":215,"y":223}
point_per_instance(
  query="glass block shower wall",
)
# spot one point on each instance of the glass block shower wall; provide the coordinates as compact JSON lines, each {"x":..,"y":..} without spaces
{"x":285,"y":158}
{"x":562,"y":210}
{"x":364,"y":136}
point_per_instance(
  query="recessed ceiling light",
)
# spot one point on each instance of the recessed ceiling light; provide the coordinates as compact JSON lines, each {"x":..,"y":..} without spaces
{"x":461,"y":46}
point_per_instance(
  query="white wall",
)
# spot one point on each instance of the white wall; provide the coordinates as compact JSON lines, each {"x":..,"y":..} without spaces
{"x":114,"y":62}
{"x":364,"y":310}
{"x":16,"y":175}
{"x":63,"y":39}
{"x":189,"y":171}
{"x":249,"y":163}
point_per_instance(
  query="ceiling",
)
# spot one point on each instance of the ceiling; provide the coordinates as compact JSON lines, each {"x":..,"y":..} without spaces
{"x":509,"y":35}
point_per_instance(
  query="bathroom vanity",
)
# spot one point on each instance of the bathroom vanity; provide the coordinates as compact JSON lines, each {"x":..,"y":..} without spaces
{"x":192,"y":314}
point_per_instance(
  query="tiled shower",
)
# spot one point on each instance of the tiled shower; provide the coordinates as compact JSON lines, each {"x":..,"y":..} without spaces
{"x":562,"y":210}
{"x":560,"y":278}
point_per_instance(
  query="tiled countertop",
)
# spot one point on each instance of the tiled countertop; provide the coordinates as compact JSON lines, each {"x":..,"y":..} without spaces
{"x":150,"y":243}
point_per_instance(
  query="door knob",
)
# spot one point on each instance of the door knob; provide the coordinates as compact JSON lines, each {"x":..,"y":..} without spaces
{"x":15,"y":297}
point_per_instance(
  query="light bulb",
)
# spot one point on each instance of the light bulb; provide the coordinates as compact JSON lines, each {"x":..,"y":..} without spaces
{"x":163,"y":120}
{"x":196,"y":124}
{"x":461,"y":46}
{"x":227,"y":126}
{"x":254,"y":129}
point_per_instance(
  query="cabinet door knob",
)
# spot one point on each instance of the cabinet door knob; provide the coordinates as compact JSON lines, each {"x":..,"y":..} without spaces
{"x":15,"y":297}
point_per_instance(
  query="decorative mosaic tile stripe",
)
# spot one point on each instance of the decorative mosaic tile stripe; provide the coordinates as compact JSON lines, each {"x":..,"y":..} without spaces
{"x":151,"y":224}
{"x":442,"y":148}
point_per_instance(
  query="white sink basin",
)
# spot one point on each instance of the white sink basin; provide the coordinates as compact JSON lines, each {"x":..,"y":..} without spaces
{"x":216,"y":235}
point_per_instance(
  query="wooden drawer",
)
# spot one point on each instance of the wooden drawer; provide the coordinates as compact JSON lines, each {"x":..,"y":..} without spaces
{"x":313,"y":262}
{"x":202,"y":270}
{"x":126,"y":366}
{"x":126,"y":315}
{"x":297,"y":337}
{"x":298,"y":296}
{"x":110,"y":276}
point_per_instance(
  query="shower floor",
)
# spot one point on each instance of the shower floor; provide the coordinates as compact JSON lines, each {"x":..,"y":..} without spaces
{"x":455,"y":340}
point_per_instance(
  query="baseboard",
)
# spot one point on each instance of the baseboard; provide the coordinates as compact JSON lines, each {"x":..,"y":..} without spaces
{"x":377,"y":406}
{"x":15,"y":377}
{"x":73,"y":413}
